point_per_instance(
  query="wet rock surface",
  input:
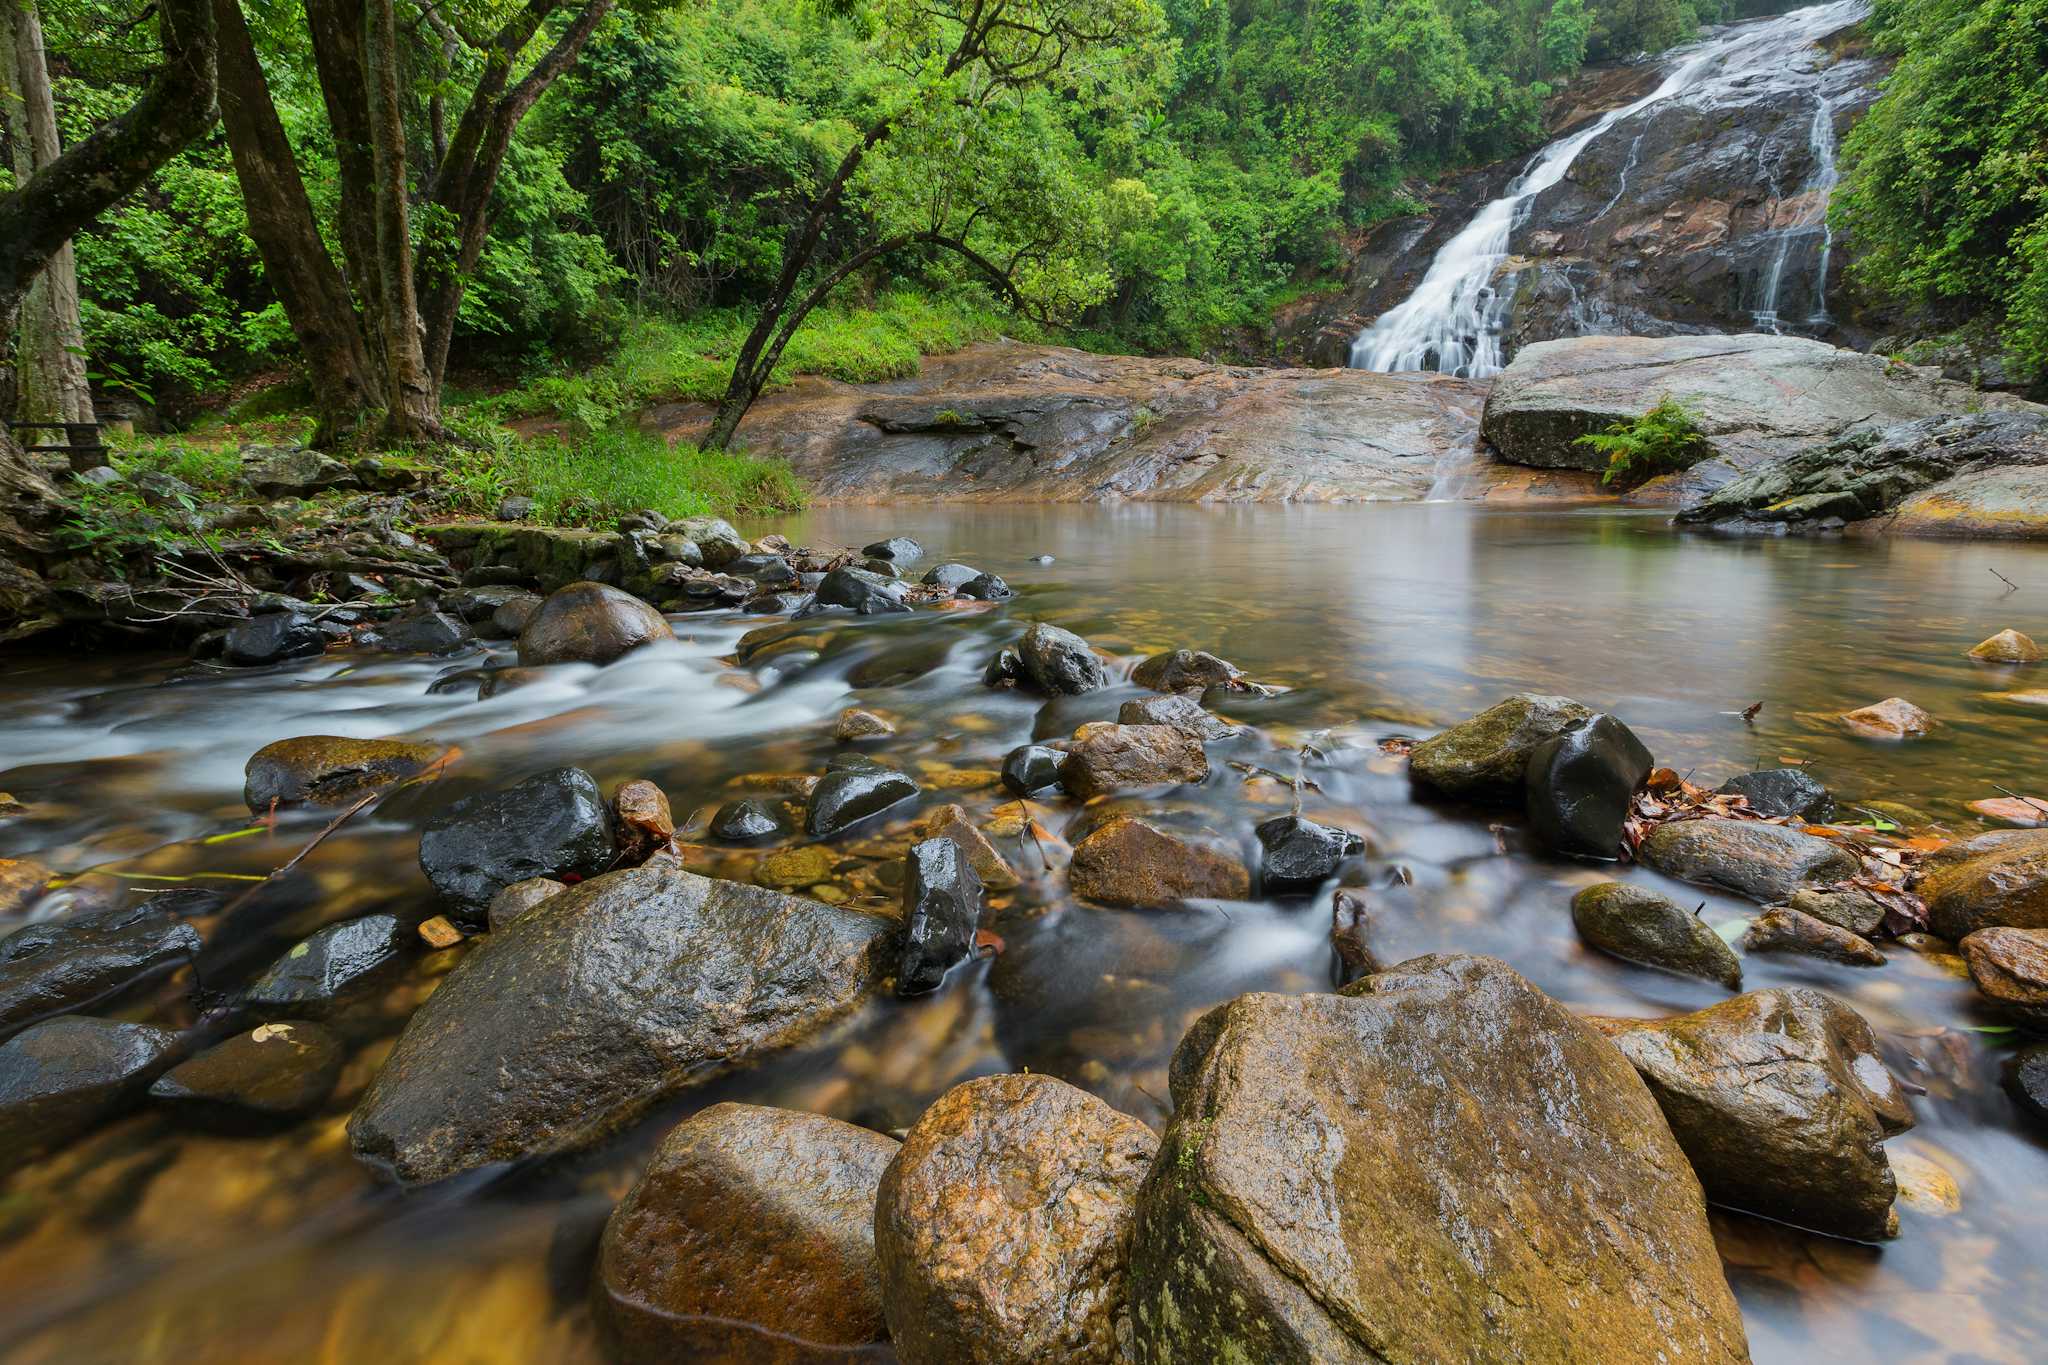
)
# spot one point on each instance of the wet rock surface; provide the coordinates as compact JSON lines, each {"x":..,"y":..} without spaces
{"x":274,"y":638}
{"x":589,"y":623}
{"x":1785,"y":930}
{"x":1782,"y":1105}
{"x":1486,"y":758}
{"x":1783,"y":793}
{"x":1578,"y":786}
{"x":1183,"y":713}
{"x":1107,"y":758}
{"x":329,"y":770}
{"x":64,"y":1076}
{"x":990,"y":867}
{"x":1301,"y":854}
{"x":2010,"y":966}
{"x":750,"y":1236}
{"x":1185,"y":670}
{"x":2026,"y":1080}
{"x":56,"y":965}
{"x":1003,"y":1225}
{"x":1058,"y":662}
{"x":858,"y":590}
{"x":1310,"y":1203}
{"x":1128,"y":863}
{"x":845,"y":798}
{"x":1641,"y":926}
{"x":1032,"y":768}
{"x":633,"y":987}
{"x":554,"y":824}
{"x":1892,"y":718}
{"x":328,"y":968}
{"x":1858,"y":912}
{"x":941,"y":911}
{"x":520,"y":899}
{"x":1999,"y":878}
{"x":746,"y":819}
{"x":273,"y":1073}
{"x":1761,"y":861}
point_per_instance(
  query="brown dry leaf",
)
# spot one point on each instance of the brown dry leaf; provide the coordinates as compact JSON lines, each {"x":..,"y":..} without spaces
{"x":1398,"y":745}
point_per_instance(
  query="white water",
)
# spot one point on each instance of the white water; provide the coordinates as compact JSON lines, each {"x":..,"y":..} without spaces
{"x":1452,"y":322}
{"x":1813,"y":218}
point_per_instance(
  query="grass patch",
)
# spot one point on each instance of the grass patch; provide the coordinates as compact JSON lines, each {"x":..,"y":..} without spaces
{"x":663,"y":360}
{"x":597,"y":478}
{"x":1665,"y":438}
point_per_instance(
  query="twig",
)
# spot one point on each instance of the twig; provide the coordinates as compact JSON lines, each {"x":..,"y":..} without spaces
{"x":2025,"y":800}
{"x":2010,"y":586}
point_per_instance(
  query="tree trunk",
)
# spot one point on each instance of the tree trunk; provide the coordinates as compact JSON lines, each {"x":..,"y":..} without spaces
{"x":412,"y":408}
{"x":287,"y":236}
{"x":50,"y":380}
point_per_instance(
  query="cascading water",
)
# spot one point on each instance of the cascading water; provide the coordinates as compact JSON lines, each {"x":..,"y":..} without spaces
{"x":1812,"y":206}
{"x":1453,"y":321}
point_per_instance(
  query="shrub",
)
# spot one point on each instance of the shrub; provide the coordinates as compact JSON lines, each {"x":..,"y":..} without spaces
{"x":603,"y":476}
{"x":1665,"y":438}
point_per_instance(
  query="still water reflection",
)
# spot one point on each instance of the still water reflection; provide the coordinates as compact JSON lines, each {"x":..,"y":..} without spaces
{"x":147,"y":1242}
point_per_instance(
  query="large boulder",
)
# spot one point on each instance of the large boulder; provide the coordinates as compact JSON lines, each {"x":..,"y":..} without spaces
{"x":1486,"y":758}
{"x":1758,"y":398}
{"x":292,"y":471}
{"x":633,"y":987}
{"x":64,"y":1076}
{"x":1579,"y":785}
{"x":1059,"y":663}
{"x":1980,"y":474}
{"x":1639,"y":925}
{"x":858,"y":590}
{"x":750,"y":1236}
{"x":329,"y":770}
{"x":1761,"y":861}
{"x":51,"y":966}
{"x":589,"y":623}
{"x":1439,"y":1164}
{"x":1992,"y":879}
{"x":1186,"y":670}
{"x":2010,"y":966}
{"x":1127,"y":863}
{"x":1004,"y":1224}
{"x":1108,"y":758}
{"x":553,"y":824}
{"x":1782,"y":1105}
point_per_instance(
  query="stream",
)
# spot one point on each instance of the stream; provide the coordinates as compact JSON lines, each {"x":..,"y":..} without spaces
{"x":152,"y":1242}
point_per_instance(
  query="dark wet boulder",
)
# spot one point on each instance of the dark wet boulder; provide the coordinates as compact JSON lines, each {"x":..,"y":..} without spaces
{"x":1005,"y":669}
{"x":2026,"y":1079}
{"x":634,"y":987}
{"x":1031,"y":768}
{"x":951,"y":577}
{"x":749,"y":818}
{"x":1638,"y":925}
{"x":51,"y":966}
{"x":329,"y":770}
{"x":1300,"y":854}
{"x":848,"y":796}
{"x":1580,"y":784}
{"x":429,"y":632}
{"x":1183,"y":713}
{"x":1059,"y":663}
{"x":749,"y":1237}
{"x":554,"y":824}
{"x":509,"y":619}
{"x":1127,"y":863}
{"x":1003,"y":1225}
{"x":1108,"y":758}
{"x":941,"y":911}
{"x":863,"y":591}
{"x":1999,"y":878}
{"x":328,"y":969}
{"x":273,"y":638}
{"x":274,"y":1073}
{"x":1782,"y":1105}
{"x":1313,"y":1200}
{"x":1783,"y":793}
{"x":896,"y":549}
{"x":951,"y":822}
{"x":1782,"y":929}
{"x":64,"y":1076}
{"x":1486,"y":758}
{"x":498,"y":681}
{"x":589,"y":623}
{"x":2010,"y":967}
{"x":1186,"y":670}
{"x":987,"y":588}
{"x":519,"y":900}
{"x":1764,"y":862}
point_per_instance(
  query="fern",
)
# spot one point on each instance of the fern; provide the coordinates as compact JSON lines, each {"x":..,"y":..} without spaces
{"x":1665,"y":438}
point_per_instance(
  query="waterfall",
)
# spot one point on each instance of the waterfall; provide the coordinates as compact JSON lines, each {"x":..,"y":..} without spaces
{"x":1453,"y":321}
{"x":1813,"y":205}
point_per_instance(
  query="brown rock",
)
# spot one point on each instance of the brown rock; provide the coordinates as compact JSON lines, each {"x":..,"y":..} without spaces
{"x":856,"y":724}
{"x":1003,"y":1226}
{"x":644,"y":822}
{"x":2011,"y":967}
{"x":1185,"y":670}
{"x":2007,"y":647}
{"x":1892,"y":718}
{"x":1785,"y":930}
{"x":1762,"y":861}
{"x":439,"y":932}
{"x":1781,"y":1103}
{"x":589,"y":623}
{"x":1379,"y":1176}
{"x":21,"y":881}
{"x":1128,"y":863}
{"x":1992,"y":879}
{"x":951,"y":822}
{"x":329,"y":770}
{"x":1859,"y":912}
{"x":750,"y":1237}
{"x":519,"y":898}
{"x":1108,"y":758}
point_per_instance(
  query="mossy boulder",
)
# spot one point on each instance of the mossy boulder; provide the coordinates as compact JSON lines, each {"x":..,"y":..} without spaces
{"x":329,"y":770}
{"x":1486,"y":758}
{"x":1999,"y":878}
{"x":1639,"y":925}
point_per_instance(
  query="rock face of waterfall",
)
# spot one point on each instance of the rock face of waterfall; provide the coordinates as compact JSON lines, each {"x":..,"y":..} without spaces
{"x":1682,"y":195}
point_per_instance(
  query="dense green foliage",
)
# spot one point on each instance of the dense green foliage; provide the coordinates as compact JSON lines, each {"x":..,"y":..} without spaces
{"x":1946,"y":181}
{"x":1666,"y":438}
{"x":596,"y":479}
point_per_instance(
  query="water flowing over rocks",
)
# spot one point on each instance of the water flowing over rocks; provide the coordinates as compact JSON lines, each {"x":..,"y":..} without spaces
{"x":750,"y":1236}
{"x":64,"y":964}
{"x":632,"y":987}
{"x":1782,"y":1105}
{"x":1004,"y":1223}
{"x":66,"y":1075}
{"x":272,"y":1074}
{"x":329,"y":770}
{"x":1311,"y":1202}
